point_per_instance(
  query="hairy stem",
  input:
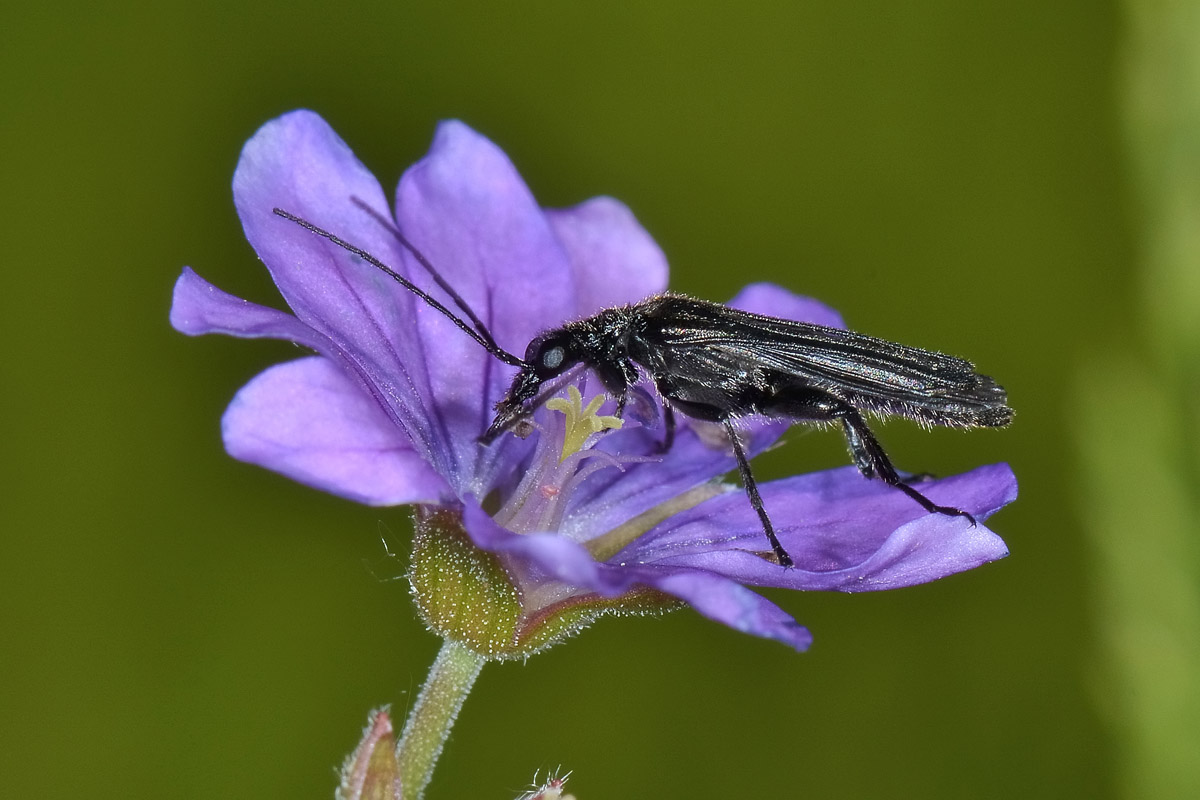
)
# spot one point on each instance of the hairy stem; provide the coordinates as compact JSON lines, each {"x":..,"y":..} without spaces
{"x":428,"y":726}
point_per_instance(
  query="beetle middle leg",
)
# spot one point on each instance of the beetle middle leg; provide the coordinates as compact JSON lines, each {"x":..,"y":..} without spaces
{"x":711,"y":413}
{"x":751,"y":485}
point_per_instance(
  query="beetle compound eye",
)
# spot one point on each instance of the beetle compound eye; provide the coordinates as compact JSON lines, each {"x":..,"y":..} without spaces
{"x":553,"y":358}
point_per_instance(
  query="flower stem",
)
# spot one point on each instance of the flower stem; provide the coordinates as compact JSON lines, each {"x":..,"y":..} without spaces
{"x":429,"y":723}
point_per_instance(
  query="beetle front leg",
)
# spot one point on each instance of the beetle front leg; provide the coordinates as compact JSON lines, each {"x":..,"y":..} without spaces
{"x":617,"y":378}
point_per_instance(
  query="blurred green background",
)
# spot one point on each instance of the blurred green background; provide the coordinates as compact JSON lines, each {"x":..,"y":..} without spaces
{"x":1013,"y":182}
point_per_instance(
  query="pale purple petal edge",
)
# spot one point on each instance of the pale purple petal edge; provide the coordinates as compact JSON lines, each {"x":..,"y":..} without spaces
{"x":307,"y":420}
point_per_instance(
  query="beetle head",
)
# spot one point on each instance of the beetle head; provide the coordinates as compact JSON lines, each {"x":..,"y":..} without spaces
{"x":548,"y":356}
{"x":551,"y":354}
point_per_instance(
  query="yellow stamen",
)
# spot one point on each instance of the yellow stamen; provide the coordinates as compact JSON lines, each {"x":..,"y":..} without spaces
{"x":581,"y":422}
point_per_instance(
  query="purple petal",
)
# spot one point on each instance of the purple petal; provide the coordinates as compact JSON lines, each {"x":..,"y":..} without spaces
{"x":563,"y":559}
{"x":700,"y":453}
{"x":466,"y":208}
{"x":297,"y":163}
{"x":307,"y":420}
{"x":470,"y":212}
{"x":612,"y":257}
{"x":198,"y":307}
{"x":553,"y":554}
{"x":732,"y":604}
{"x":771,"y":300}
{"x":845,"y":532}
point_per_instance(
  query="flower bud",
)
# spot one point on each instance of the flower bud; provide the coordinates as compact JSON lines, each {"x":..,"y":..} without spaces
{"x":371,"y":772}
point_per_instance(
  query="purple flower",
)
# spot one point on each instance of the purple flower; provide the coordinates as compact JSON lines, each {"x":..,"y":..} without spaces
{"x":389,"y":410}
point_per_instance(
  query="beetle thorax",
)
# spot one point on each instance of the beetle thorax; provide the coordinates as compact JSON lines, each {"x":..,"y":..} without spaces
{"x":604,"y":337}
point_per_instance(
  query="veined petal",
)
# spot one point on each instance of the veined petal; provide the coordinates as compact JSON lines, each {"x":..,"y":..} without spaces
{"x":297,"y":163}
{"x":701,"y":452}
{"x":467,"y":209}
{"x":845,"y":532}
{"x":613,"y":258}
{"x":307,"y":420}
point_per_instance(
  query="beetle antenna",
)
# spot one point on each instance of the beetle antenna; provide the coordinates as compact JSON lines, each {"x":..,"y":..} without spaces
{"x":485,"y":341}
{"x":433,"y":273}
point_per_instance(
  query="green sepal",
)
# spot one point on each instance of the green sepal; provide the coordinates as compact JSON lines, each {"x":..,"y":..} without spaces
{"x":561,"y":621}
{"x":464,"y":594}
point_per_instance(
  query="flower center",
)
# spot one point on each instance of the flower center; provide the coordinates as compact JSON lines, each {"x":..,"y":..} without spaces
{"x":562,"y":459}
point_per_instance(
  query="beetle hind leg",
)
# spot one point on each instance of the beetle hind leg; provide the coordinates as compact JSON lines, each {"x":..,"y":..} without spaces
{"x":873,"y":462}
{"x":807,"y":403}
